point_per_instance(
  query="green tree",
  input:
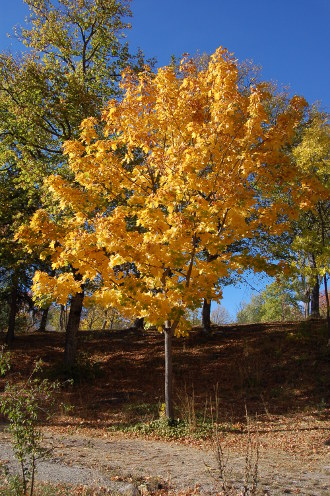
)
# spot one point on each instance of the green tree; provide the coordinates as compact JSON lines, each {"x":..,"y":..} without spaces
{"x":312,"y":156}
{"x":15,"y":265}
{"x":76,"y":51}
{"x":25,"y":405}
{"x":278,"y":302}
{"x":250,"y":313}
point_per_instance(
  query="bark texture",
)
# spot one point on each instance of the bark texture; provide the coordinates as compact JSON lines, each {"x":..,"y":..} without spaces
{"x":138,"y":324}
{"x":327,"y":300}
{"x":315,"y":301}
{"x":10,"y":336}
{"x":206,"y":315}
{"x":169,"y":410}
{"x":43,"y":322}
{"x":71,"y":337}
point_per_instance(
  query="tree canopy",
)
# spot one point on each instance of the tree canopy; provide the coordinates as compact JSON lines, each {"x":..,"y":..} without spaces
{"x":188,"y":165}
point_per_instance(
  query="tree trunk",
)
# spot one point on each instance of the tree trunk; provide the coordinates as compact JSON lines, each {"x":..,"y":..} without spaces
{"x":315,"y":300}
{"x":63,"y":318}
{"x":315,"y":291}
{"x":306,"y":303}
{"x":71,"y":336}
{"x":105,"y":321}
{"x":168,"y":371}
{"x":112,"y":320}
{"x":138,"y":324}
{"x":206,"y":315}
{"x":327,"y":300}
{"x":306,"y":309}
{"x":10,"y":336}
{"x":43,"y":322}
{"x":306,"y":296}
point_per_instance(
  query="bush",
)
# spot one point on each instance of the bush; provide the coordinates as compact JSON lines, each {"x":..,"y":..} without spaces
{"x":25,"y":405}
{"x":5,"y":361}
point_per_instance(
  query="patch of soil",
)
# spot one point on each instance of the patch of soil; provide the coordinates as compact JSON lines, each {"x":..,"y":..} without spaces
{"x":99,"y":461}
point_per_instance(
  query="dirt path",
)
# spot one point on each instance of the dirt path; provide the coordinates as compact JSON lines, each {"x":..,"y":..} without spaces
{"x":82,"y":459}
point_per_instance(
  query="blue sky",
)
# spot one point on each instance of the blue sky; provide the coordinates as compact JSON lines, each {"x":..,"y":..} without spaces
{"x":288,"y":38}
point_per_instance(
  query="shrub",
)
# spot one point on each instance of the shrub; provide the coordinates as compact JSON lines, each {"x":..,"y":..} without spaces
{"x":25,"y":405}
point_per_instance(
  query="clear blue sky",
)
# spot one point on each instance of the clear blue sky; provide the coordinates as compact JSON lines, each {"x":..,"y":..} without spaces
{"x":288,"y":38}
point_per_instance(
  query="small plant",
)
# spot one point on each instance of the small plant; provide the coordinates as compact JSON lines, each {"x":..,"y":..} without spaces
{"x":143,"y":411}
{"x":164,"y":429}
{"x":251,"y":474}
{"x":5,"y":361}
{"x":67,"y":408}
{"x":25,"y":405}
{"x":13,"y":486}
{"x":188,"y":410}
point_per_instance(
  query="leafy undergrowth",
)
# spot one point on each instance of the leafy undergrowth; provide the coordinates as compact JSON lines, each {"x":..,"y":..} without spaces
{"x":13,"y":487}
{"x":279,"y":369}
{"x":161,"y":428}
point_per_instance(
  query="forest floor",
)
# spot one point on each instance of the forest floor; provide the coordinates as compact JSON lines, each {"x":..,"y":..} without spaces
{"x":109,"y":431}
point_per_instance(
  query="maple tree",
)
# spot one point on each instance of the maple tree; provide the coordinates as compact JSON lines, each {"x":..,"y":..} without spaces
{"x":188,"y":165}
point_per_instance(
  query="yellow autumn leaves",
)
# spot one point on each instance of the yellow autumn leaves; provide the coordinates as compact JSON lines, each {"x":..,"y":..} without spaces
{"x":186,"y":165}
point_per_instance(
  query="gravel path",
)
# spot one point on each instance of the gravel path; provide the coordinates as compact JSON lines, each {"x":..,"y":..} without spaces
{"x":96,"y":462}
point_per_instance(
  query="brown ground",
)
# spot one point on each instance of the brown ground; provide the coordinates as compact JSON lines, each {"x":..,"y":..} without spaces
{"x":279,"y":371}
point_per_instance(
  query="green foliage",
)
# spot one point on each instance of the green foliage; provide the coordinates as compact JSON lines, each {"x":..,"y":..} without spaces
{"x":278,"y":302}
{"x":5,"y":361}
{"x":189,"y":424}
{"x":250,"y":313}
{"x":72,"y":55}
{"x":4,"y":312}
{"x":312,"y":229}
{"x":193,"y":317}
{"x":14,"y":486}
{"x":25,"y":405}
{"x":165,"y":429}
{"x":142,"y":409}
{"x":75,"y":55}
{"x":85,"y":369}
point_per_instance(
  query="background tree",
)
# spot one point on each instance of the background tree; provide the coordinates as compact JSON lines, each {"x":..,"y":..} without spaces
{"x":75,"y":54}
{"x":220,"y":316}
{"x":96,"y":317}
{"x":312,"y":155}
{"x":16,"y":266}
{"x":280,"y":301}
{"x":252,"y":312}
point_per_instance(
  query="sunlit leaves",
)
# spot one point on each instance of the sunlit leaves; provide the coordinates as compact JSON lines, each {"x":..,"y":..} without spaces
{"x":188,"y":165}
